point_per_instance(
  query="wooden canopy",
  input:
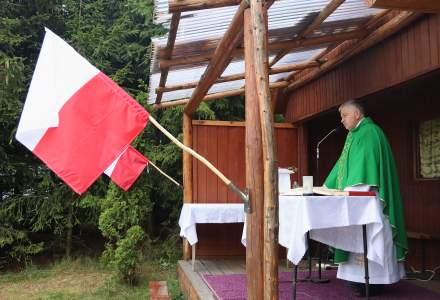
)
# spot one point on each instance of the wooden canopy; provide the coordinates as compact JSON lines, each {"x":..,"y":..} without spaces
{"x":202,"y":56}
{"x":222,"y":48}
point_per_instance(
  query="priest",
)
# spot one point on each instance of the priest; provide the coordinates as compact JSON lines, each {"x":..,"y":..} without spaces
{"x":367,"y":164}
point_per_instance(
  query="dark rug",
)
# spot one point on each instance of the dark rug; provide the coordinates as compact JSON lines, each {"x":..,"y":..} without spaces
{"x":233,"y":287}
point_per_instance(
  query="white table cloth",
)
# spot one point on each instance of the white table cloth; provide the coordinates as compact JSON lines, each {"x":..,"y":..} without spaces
{"x":333,"y":220}
{"x":194,"y":213}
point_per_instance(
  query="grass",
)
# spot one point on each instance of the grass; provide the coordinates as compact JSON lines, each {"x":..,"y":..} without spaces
{"x":84,"y":279}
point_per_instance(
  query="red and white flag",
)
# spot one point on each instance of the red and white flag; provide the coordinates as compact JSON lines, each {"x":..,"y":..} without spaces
{"x":127,"y":167}
{"x":76,"y":119}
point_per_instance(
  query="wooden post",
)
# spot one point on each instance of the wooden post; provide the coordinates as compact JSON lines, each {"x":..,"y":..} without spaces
{"x":254,"y":174}
{"x":259,"y":25}
{"x":187,"y":174}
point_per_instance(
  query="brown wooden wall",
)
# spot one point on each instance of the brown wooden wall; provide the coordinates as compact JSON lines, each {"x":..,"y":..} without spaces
{"x":411,"y":52}
{"x":223,"y":144}
{"x":397,"y":111}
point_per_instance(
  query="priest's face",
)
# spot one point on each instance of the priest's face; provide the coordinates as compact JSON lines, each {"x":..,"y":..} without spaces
{"x":350,"y":116}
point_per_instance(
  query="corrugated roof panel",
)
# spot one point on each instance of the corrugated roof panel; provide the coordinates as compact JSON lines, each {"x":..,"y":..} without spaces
{"x":276,"y":77}
{"x":298,"y":56}
{"x":175,"y":77}
{"x":199,"y":32}
{"x":226,"y":86}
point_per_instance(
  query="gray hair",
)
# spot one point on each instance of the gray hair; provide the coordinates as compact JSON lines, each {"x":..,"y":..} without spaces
{"x":355,"y":104}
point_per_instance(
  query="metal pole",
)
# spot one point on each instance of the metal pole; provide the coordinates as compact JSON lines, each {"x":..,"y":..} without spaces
{"x":310,"y":256}
{"x":319,"y":279}
{"x":295,"y":276}
{"x":309,"y":260}
{"x":367,"y":278}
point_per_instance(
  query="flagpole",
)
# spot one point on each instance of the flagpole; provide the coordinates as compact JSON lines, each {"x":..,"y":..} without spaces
{"x":164,"y":174}
{"x":243,"y":195}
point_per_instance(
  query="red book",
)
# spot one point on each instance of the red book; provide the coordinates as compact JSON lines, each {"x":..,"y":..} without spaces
{"x":356,"y":193}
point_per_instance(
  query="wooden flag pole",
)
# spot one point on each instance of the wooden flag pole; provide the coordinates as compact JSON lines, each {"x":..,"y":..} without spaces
{"x":243,"y":195}
{"x":164,"y":174}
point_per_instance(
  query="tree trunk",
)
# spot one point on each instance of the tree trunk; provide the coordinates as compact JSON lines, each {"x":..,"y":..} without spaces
{"x":69,"y":231}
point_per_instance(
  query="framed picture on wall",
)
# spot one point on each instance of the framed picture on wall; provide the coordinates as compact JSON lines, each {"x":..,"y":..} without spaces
{"x":427,"y":146}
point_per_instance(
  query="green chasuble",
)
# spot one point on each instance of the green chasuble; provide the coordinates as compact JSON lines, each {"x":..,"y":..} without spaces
{"x":367,"y":159}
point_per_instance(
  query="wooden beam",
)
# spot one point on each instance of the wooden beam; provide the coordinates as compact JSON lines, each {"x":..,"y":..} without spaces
{"x":190,"y":85}
{"x":318,"y":57}
{"x":374,"y":21}
{"x":294,"y":67}
{"x":395,"y":24}
{"x":288,"y":45}
{"x":236,"y":124}
{"x":324,"y":39}
{"x":254,"y":174}
{"x":282,"y":69}
{"x":428,"y":6}
{"x":166,"y":63}
{"x":214,"y":96}
{"x":260,"y":52}
{"x":187,"y":174}
{"x":222,"y":56}
{"x":209,"y":97}
{"x":368,"y":26}
{"x":189,"y":5}
{"x":168,"y":51}
{"x":327,"y":11}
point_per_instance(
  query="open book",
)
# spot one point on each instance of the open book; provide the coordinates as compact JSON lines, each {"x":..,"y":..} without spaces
{"x":322,"y":190}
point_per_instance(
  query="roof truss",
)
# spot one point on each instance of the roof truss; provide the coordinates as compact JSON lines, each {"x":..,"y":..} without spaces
{"x":344,"y":43}
{"x":327,"y":11}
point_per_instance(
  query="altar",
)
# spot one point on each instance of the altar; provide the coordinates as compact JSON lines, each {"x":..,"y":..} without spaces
{"x":333,"y":220}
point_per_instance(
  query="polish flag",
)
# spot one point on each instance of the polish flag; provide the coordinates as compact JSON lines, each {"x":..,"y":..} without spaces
{"x":75,"y":118}
{"x":127,"y":167}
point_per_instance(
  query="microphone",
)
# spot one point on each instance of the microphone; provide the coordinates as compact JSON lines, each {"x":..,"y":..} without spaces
{"x":320,"y":279}
{"x":324,"y":138}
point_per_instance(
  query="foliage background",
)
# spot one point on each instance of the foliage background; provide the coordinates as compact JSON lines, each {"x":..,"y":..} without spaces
{"x":40,"y":217}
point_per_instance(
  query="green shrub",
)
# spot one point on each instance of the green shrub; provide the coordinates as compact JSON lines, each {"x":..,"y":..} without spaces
{"x":128,"y":254}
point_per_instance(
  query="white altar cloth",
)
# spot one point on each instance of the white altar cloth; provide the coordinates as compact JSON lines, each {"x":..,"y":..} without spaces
{"x":194,"y":213}
{"x":333,"y":220}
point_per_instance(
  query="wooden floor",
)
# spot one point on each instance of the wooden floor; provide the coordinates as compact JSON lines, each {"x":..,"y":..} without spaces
{"x":192,"y":283}
{"x":195,"y":288}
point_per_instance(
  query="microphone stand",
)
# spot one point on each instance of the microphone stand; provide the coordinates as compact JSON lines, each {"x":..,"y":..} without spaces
{"x":320,"y":279}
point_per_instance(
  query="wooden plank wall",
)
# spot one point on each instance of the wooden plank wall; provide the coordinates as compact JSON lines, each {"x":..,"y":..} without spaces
{"x":223,"y":144}
{"x":397,"y":111}
{"x":413,"y":51}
